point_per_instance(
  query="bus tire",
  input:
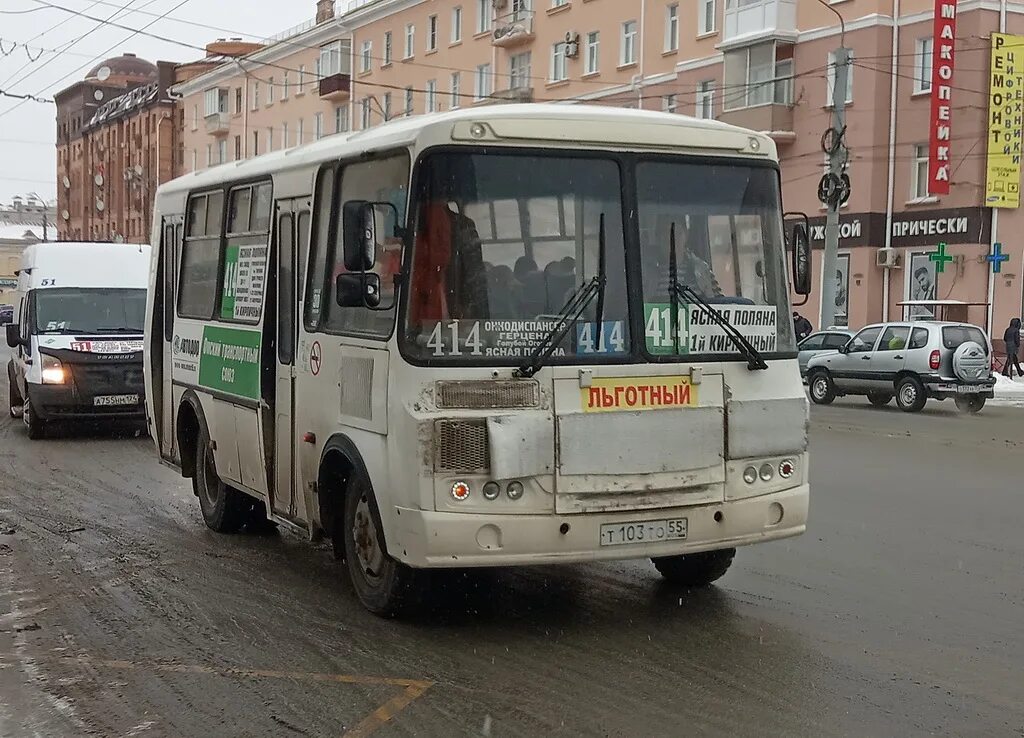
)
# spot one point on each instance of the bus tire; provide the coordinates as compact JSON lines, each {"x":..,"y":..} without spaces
{"x":35,"y":426}
{"x":224,"y":508}
{"x":386,"y":587}
{"x":697,"y":569}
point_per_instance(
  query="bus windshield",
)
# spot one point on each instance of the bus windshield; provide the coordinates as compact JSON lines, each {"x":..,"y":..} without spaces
{"x":90,"y":310}
{"x":503,"y":241}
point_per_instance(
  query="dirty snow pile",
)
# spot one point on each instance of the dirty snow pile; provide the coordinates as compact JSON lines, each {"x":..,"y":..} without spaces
{"x":1009,"y":391}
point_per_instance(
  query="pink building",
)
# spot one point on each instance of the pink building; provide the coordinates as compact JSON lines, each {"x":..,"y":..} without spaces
{"x":762,"y":64}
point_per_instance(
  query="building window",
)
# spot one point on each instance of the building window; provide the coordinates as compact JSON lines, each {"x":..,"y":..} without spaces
{"x":919,"y":173}
{"x":432,"y":33}
{"x":484,"y":13}
{"x":456,"y":90}
{"x":628,"y":55}
{"x":331,"y":61}
{"x":559,"y":70}
{"x":923,"y":65}
{"x":285,"y":87}
{"x":408,"y":101}
{"x":238,"y":101}
{"x":456,"y":24}
{"x":285,"y":136}
{"x":255,"y":143}
{"x":707,"y":14}
{"x":830,"y":79}
{"x":302,"y":79}
{"x":672,"y":27}
{"x":519,"y":71}
{"x":784,"y":82}
{"x":209,"y":155}
{"x":216,"y":100}
{"x":300,"y":132}
{"x":238,"y":148}
{"x":431,"y":103}
{"x":270,"y":139}
{"x":706,"y":99}
{"x":318,"y":126}
{"x":755,"y":76}
{"x":410,"y":41}
{"x":365,"y":113}
{"x":365,"y":63}
{"x":270,"y":91}
{"x":668,"y":103}
{"x":483,"y":81}
{"x":593,"y":52}
{"x":387,"y":48}
{"x":195,"y":117}
{"x":255,"y":95}
{"x":387,"y":106}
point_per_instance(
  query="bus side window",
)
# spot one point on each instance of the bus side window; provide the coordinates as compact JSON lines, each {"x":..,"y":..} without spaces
{"x":285,"y":290}
{"x":316,"y":277}
{"x":167,"y":252}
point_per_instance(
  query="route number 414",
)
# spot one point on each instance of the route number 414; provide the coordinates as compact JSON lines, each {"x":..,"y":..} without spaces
{"x":611,"y":340}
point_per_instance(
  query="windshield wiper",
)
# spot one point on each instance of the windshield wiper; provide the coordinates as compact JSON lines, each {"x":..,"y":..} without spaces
{"x":571,"y":313}
{"x":120,"y":329}
{"x":755,"y":361}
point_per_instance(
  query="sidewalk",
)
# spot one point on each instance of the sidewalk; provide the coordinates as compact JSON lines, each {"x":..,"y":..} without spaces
{"x":1009,"y":391}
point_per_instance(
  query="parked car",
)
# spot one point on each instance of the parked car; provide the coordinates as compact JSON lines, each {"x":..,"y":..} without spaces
{"x":816,"y":343}
{"x":6,"y":314}
{"x":913,"y":362}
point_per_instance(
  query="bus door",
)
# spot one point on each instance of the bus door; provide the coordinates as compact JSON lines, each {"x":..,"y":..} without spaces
{"x":292,"y":247}
{"x":170,"y":249}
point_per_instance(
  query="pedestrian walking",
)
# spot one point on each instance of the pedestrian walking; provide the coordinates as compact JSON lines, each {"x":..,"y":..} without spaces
{"x":801,"y":326}
{"x":1012,"y":339}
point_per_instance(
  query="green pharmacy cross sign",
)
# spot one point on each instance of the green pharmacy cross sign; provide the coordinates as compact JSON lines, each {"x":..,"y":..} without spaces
{"x":941,"y":258}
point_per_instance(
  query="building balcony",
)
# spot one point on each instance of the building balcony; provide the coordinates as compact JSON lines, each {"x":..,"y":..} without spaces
{"x":754,"y":19}
{"x":337,"y":87}
{"x":773,"y":119}
{"x":512,"y":95}
{"x":513,"y":29}
{"x":218,"y":124}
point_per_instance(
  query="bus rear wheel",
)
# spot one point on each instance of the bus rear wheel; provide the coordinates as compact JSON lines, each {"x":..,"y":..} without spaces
{"x":386,"y":587}
{"x":697,"y":569}
{"x":224,"y":508}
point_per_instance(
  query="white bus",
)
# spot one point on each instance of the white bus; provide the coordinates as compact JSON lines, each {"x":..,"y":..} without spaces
{"x":492,"y":337}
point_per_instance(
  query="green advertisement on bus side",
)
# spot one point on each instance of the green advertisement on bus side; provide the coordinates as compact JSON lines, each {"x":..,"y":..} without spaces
{"x":229,"y":361}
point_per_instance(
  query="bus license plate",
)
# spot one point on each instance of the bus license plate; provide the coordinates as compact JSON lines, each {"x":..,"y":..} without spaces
{"x":115,"y":400}
{"x":643,"y":531}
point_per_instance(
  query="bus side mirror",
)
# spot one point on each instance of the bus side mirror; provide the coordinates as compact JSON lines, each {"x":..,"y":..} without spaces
{"x":801,"y":245}
{"x":357,"y":290}
{"x":13,"y":331}
{"x":359,"y":237}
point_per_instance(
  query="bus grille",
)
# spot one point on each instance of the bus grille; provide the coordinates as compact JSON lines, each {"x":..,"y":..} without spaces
{"x":461,"y":446}
{"x":487,"y":395}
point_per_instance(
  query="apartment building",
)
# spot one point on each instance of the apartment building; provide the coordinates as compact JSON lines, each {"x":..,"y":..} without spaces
{"x":762,"y":64}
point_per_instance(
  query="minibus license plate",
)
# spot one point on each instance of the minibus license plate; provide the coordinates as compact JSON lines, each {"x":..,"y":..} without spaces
{"x":643,"y":531}
{"x":115,"y":400}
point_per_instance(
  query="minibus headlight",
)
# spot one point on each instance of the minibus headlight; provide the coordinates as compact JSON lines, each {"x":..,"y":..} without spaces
{"x":53,"y":370}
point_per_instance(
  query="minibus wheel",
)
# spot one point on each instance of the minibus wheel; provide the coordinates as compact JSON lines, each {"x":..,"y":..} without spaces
{"x":13,"y":395}
{"x":224,"y":508}
{"x":385,"y":586}
{"x":696,"y":569}
{"x":34,"y":426}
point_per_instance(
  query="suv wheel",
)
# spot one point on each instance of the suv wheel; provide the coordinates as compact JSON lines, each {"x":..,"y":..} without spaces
{"x":970,"y":404}
{"x":823,"y":390}
{"x":910,"y":395}
{"x":879,"y":399}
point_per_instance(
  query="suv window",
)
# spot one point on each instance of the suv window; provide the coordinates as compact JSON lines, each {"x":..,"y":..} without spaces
{"x":919,"y":339}
{"x":813,"y":343}
{"x":955,"y":335}
{"x":894,"y":338}
{"x":865,"y":340}
{"x":835,"y":340}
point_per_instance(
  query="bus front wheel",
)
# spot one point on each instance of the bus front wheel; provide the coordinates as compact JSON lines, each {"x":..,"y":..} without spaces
{"x":697,"y":569}
{"x":385,"y":586}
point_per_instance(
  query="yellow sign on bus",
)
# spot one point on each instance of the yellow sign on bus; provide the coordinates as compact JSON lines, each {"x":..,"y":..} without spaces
{"x":619,"y":394}
{"x":1006,"y":93}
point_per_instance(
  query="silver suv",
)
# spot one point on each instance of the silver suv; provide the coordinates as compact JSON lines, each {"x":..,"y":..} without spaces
{"x":913,"y":362}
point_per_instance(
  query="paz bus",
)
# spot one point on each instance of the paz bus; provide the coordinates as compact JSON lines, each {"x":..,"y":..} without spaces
{"x":502,"y":336}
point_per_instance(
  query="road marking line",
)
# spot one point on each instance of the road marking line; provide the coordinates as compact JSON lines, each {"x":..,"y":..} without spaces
{"x":413,"y":689}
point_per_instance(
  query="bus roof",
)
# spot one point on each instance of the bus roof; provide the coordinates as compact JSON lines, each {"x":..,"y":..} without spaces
{"x":548,"y":124}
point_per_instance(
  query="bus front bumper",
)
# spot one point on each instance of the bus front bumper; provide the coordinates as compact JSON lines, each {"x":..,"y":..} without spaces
{"x":427,"y":539}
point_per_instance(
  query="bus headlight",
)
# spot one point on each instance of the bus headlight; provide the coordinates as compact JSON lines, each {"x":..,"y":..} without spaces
{"x":515,"y":490}
{"x":750,"y":475}
{"x":492,"y":490}
{"x":53,"y":370}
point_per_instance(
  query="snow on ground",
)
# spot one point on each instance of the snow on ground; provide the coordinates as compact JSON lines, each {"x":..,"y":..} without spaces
{"x":1009,"y":391}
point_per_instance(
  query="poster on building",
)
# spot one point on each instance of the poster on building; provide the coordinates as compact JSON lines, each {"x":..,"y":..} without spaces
{"x":943,"y":48}
{"x":842,"y":277}
{"x":1005,"y":119}
{"x":921,"y":285}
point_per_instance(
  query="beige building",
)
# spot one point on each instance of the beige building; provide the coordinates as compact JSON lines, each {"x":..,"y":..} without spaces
{"x":763,"y":64}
